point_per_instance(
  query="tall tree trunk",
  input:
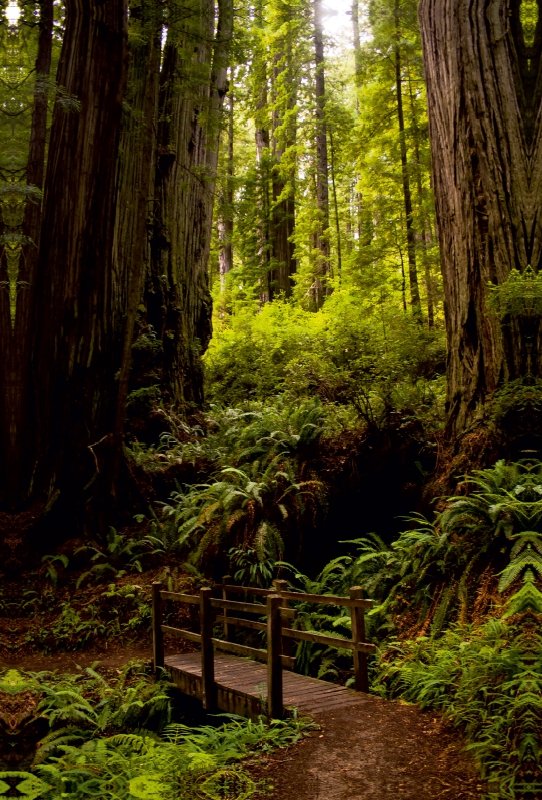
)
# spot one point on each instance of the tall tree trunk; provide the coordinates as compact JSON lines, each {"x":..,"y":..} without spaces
{"x":178,"y":297}
{"x":356,"y":39}
{"x":407,"y":195}
{"x":335,"y":204}
{"x":75,"y":352}
{"x":484,"y":99}
{"x":320,"y":287}
{"x":135,"y":171}
{"x":283,"y":180}
{"x":15,"y":341}
{"x":225,"y":219}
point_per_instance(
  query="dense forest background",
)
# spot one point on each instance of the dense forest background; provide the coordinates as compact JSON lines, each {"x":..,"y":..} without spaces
{"x":230,"y":344}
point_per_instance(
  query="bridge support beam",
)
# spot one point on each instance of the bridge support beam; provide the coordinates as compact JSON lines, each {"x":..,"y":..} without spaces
{"x":275,"y":708}
{"x":361,"y":673}
{"x":208,"y":689}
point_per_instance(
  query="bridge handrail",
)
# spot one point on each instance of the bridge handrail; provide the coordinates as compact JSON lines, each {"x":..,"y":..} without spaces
{"x":277,"y":613}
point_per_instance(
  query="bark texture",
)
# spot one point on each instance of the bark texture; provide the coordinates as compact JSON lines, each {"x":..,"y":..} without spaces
{"x":283,"y":178}
{"x":178,"y":297}
{"x":75,"y":350}
{"x":16,"y":435}
{"x":484,"y":89}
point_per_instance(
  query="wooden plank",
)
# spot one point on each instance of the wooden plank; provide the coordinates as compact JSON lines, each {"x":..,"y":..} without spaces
{"x":250,"y":652}
{"x":180,"y":633}
{"x":180,"y":598}
{"x":247,"y":590}
{"x":238,"y":702}
{"x":327,"y":599}
{"x":207,"y":652}
{"x":240,"y":650}
{"x":187,"y":682}
{"x":225,"y":580}
{"x":234,"y":605}
{"x":330,"y":641}
{"x":242,"y":623}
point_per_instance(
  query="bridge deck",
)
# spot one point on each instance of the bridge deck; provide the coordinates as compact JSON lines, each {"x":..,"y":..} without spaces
{"x":242,"y":686}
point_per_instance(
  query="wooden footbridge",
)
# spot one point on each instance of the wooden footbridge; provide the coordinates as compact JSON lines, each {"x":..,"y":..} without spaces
{"x":251,"y":681}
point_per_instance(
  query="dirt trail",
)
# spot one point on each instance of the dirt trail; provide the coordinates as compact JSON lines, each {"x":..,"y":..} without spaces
{"x":379,"y":751}
{"x":112,"y":658}
{"x":375,"y":751}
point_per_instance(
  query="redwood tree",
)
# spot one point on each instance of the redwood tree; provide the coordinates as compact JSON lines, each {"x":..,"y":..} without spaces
{"x":482,"y":68}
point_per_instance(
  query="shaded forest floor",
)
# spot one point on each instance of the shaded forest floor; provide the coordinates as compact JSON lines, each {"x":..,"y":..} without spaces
{"x":380,"y":750}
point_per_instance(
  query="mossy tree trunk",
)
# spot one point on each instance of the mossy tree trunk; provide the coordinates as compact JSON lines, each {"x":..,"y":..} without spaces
{"x":483,"y":86}
{"x":178,"y":298}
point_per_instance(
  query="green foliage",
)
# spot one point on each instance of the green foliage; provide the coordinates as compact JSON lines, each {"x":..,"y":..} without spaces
{"x":519,"y":295}
{"x":123,"y":552}
{"x":342,"y":354}
{"x":259,"y":490}
{"x":116,"y":740}
{"x":486,"y":679}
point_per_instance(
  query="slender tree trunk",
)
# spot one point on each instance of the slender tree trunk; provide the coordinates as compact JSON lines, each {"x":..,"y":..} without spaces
{"x":484,"y":100}
{"x":407,"y":195}
{"x":261,"y":123}
{"x":422,"y":235}
{"x":356,"y":39}
{"x":335,"y":204}
{"x":76,"y":348}
{"x":225,"y":219}
{"x":283,"y":181}
{"x":320,"y":287}
{"x":178,"y":297}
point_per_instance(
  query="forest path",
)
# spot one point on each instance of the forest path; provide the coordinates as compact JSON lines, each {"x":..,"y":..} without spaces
{"x":378,"y":750}
{"x":373,"y":750}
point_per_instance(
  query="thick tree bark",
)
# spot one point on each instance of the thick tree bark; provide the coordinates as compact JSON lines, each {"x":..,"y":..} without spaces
{"x":484,"y":90}
{"x":75,"y":352}
{"x":135,"y":171}
{"x":178,"y":299}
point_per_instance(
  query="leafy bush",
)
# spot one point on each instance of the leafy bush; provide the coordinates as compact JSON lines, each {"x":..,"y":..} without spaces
{"x":487,"y":679}
{"x":259,"y":351}
{"x":117,"y":741}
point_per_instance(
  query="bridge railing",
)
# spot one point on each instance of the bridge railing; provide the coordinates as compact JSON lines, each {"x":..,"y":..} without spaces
{"x":278,"y":614}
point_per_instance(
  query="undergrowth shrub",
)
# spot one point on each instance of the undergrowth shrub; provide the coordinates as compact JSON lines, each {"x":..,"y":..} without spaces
{"x":487,"y":680}
{"x":339,"y":353}
{"x":116,"y":741}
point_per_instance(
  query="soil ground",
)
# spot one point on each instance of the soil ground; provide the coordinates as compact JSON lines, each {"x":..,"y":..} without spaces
{"x":110,"y":658}
{"x":381,"y":751}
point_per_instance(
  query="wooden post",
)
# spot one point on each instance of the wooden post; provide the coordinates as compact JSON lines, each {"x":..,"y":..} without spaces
{"x":157,"y":635}
{"x":207,"y":654}
{"x":274,"y":651}
{"x":358,"y":635}
{"x":226,"y":580}
{"x":282,"y":586}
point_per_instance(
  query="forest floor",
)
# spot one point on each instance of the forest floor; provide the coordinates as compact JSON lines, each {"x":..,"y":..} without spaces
{"x":380,"y":750}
